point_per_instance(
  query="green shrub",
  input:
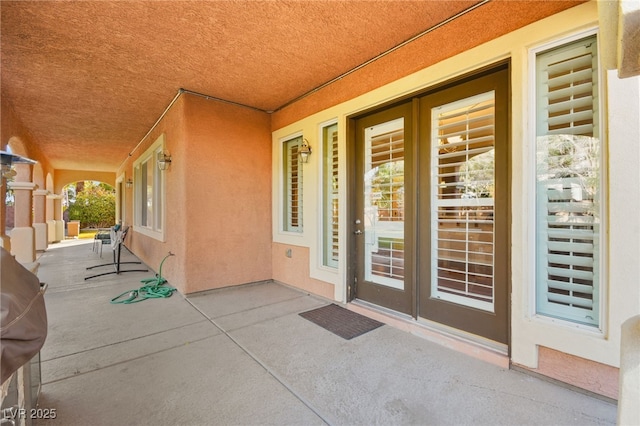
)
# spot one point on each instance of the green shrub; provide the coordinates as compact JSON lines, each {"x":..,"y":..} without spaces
{"x":94,"y":206}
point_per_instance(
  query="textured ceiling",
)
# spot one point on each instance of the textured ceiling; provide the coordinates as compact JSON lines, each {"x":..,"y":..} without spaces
{"x":88,"y":79}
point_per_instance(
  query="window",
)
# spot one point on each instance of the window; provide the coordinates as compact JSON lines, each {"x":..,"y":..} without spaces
{"x":569,"y":199}
{"x":149,"y":192}
{"x":292,"y":190}
{"x":330,"y":195}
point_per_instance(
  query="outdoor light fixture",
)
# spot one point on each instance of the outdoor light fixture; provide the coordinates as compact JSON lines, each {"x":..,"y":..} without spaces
{"x":129,"y":183}
{"x":7,"y":159}
{"x":164,"y":160}
{"x":8,"y":172}
{"x":305,"y":151}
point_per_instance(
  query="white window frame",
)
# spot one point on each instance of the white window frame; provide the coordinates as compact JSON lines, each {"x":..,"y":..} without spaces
{"x":285,"y":225}
{"x":120,"y":199}
{"x":532,"y":152}
{"x":324,"y":240}
{"x":158,"y":199}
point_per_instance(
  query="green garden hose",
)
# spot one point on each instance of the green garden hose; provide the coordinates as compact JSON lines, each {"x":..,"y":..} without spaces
{"x":152,"y":289}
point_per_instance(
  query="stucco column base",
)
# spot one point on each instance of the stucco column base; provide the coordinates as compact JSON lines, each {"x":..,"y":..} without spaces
{"x":628,"y":410}
{"x":51,"y":231}
{"x":59,"y":230}
{"x":41,"y":236}
{"x":23,"y":244}
{"x":5,"y":242}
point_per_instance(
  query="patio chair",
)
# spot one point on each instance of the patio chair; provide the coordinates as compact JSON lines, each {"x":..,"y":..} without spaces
{"x":117,"y":238}
{"x":100,"y":239}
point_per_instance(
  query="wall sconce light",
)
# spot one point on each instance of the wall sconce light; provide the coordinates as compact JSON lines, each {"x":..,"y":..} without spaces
{"x":164,"y":160}
{"x":129,"y":183}
{"x":7,"y":159}
{"x":305,"y":151}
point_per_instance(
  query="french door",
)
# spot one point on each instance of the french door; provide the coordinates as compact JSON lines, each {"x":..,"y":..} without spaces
{"x":430,"y":222}
{"x":464,"y":240}
{"x":382,"y":222}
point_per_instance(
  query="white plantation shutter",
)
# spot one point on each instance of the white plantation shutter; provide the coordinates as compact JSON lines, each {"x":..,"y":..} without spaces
{"x":568,"y":183}
{"x":330,"y":195}
{"x":462,"y":188}
{"x":292,"y":186}
{"x":384,"y":203}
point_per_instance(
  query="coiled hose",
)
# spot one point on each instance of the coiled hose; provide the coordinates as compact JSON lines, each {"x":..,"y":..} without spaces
{"x":153,"y":288}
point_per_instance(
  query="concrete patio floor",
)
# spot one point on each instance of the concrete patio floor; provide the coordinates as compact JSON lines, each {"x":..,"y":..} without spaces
{"x":243,"y":356}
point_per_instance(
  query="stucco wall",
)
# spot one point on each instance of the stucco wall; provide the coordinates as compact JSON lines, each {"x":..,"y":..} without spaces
{"x":13,"y":134}
{"x":291,"y":266}
{"x":217,"y":196}
{"x":150,"y":250}
{"x":227,"y":214}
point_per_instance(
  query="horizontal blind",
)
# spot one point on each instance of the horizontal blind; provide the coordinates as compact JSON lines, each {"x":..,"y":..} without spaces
{"x":386,"y":155}
{"x":293,"y":186}
{"x":331,"y":188}
{"x":388,"y":260}
{"x":334,"y":198}
{"x":568,"y":183}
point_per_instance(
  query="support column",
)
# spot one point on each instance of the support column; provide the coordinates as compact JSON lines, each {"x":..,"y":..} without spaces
{"x":23,"y":239}
{"x":57,"y":215}
{"x":39,"y":218}
{"x":51,"y":223}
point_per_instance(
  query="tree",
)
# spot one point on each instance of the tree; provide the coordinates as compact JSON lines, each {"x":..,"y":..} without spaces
{"x":94,"y":205}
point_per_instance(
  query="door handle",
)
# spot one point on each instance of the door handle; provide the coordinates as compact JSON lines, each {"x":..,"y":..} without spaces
{"x":357,"y":232}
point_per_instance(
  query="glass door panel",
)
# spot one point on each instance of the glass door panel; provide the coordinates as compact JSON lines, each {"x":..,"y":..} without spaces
{"x":384,"y":204}
{"x":462,"y":189}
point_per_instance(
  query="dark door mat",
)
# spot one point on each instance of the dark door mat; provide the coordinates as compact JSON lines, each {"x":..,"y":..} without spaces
{"x":343,"y":322}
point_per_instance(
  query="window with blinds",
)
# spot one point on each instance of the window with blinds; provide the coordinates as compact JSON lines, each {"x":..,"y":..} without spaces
{"x":149,"y":192}
{"x":568,"y":176}
{"x":292,"y":180}
{"x":330,"y":195}
{"x":385,"y":156}
{"x":384,"y":203}
{"x":462,"y":188}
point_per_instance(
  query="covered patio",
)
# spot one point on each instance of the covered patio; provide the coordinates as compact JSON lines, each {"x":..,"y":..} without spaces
{"x":244,"y":355}
{"x":202,"y":116}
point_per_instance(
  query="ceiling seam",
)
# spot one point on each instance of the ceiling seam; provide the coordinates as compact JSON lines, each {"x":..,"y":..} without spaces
{"x":213,"y":98}
{"x":173,"y":101}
